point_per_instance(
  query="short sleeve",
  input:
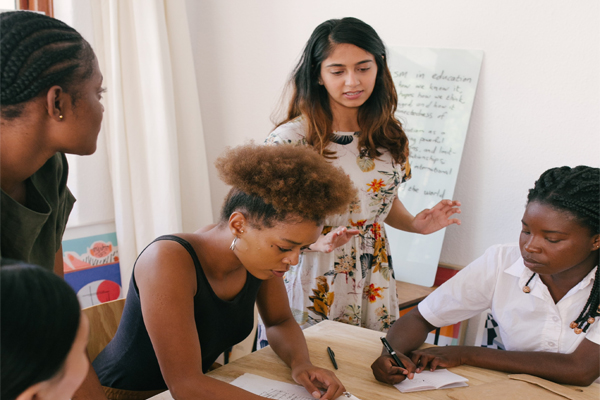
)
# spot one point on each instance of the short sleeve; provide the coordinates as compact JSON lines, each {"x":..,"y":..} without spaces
{"x":292,"y":132}
{"x":466,"y":294}
{"x":274,"y":138}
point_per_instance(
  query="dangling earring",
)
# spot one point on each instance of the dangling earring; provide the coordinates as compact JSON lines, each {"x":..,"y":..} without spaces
{"x":232,"y":247}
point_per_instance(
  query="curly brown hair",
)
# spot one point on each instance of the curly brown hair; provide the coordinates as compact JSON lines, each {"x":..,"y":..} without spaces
{"x":280,"y":183}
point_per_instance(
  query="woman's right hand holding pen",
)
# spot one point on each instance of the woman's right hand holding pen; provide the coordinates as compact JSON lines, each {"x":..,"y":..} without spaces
{"x":406,"y":334}
{"x":386,"y":370}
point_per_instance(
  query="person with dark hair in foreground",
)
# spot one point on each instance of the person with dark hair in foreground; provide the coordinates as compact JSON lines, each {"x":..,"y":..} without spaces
{"x":192,"y":295}
{"x":44,"y":335}
{"x":543,"y":293}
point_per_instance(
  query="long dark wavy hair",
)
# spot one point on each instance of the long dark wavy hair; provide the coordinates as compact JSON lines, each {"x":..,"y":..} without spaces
{"x":379,"y":127}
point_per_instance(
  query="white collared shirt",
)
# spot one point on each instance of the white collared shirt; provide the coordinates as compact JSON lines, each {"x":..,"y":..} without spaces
{"x":527,"y":321}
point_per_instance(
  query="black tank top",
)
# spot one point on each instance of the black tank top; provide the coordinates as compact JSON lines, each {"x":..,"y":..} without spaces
{"x":129,"y":362}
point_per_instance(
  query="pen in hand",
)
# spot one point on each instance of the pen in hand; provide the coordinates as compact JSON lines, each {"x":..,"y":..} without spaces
{"x":387,"y":346}
{"x":332,"y":357}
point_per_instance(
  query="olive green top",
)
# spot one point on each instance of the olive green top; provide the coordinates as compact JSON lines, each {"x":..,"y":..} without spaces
{"x":33,"y":232}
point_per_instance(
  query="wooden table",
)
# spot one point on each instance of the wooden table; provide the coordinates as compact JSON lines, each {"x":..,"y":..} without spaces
{"x":410,"y":294}
{"x":355,"y":349}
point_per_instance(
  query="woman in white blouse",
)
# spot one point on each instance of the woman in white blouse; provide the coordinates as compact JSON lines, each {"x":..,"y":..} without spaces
{"x":543,"y":293}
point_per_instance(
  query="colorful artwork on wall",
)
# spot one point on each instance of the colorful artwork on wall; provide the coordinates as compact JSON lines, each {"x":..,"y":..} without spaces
{"x":452,"y":335}
{"x":91,"y":266}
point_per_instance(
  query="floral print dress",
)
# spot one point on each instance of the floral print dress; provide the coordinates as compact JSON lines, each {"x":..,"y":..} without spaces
{"x":354,"y":283}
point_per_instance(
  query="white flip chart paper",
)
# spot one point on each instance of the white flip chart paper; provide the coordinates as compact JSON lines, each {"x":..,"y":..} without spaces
{"x":436,"y":90}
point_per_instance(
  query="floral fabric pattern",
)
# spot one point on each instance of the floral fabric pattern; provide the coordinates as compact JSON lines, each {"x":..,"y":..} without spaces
{"x":355,"y":283}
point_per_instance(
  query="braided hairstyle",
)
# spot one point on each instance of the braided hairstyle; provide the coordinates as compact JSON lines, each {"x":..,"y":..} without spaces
{"x":36,"y":53}
{"x":576,"y":190}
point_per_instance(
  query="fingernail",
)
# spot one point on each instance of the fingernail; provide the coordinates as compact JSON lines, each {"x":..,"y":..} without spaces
{"x":316,"y":394}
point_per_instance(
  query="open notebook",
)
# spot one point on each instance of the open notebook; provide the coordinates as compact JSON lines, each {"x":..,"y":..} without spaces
{"x":275,"y":389}
{"x":427,"y":380}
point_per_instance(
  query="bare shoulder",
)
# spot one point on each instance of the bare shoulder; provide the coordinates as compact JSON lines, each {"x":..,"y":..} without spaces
{"x":168,"y":265}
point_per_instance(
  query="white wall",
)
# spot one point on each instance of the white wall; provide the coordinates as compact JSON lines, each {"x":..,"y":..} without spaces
{"x":537,"y":104}
{"x":89,"y":177}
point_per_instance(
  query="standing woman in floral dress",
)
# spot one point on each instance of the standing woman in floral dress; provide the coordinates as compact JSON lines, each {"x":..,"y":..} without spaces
{"x":343,"y":105}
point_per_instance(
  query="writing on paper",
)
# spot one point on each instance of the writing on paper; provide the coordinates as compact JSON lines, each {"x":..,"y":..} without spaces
{"x":281,"y":395}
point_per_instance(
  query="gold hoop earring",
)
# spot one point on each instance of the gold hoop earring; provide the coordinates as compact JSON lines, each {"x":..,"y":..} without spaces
{"x":232,"y":247}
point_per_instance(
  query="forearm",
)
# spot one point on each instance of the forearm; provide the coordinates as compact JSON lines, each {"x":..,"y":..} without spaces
{"x":288,"y":342}
{"x":557,"y":367}
{"x":408,"y":332}
{"x":400,"y":218}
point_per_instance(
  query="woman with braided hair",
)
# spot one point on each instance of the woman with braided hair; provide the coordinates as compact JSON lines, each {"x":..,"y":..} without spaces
{"x":192,"y":295}
{"x":543,"y":293}
{"x":50,"y":93}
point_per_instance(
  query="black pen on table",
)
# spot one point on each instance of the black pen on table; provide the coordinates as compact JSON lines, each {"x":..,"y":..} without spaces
{"x":387,"y":346}
{"x":332,"y":357}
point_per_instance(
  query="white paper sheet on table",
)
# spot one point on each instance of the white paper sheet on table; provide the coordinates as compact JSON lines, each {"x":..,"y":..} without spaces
{"x":432,"y":380}
{"x":275,"y":389}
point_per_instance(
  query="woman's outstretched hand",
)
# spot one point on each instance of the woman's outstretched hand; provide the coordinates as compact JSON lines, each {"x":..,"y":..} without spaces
{"x":334,"y":239}
{"x":438,"y":217}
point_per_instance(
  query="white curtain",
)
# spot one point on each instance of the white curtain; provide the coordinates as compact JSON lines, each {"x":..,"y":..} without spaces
{"x":156,"y":153}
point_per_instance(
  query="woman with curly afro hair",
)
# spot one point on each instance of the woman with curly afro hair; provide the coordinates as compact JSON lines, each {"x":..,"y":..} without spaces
{"x":192,"y":295}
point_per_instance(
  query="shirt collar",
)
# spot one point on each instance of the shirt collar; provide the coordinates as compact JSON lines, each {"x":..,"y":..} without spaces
{"x":519,"y":270}
{"x":589,"y":279}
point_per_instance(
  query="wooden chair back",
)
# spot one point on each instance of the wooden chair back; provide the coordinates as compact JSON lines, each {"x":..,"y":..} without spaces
{"x":104,"y":320}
